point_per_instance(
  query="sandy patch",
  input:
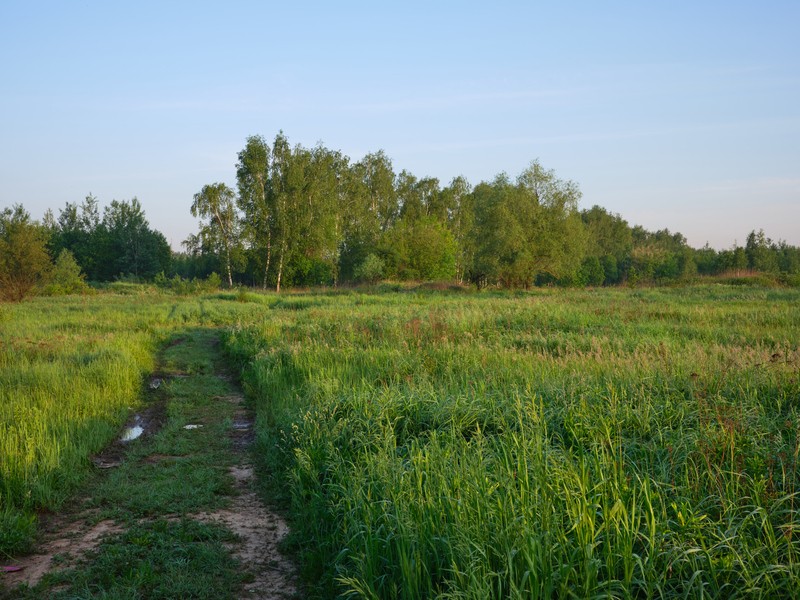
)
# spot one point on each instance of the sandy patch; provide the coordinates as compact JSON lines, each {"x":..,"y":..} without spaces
{"x":260,"y":531}
{"x":63,"y":545}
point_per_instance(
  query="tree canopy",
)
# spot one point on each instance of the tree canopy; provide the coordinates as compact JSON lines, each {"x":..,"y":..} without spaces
{"x":303,"y":216}
{"x":311,"y":216}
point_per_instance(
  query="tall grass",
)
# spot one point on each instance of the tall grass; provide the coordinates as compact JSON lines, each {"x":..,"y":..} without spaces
{"x":546,"y":444}
{"x":71,"y":372}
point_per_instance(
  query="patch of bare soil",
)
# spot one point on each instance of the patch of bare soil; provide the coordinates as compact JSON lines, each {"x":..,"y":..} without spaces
{"x":259,"y":529}
{"x":64,"y":542}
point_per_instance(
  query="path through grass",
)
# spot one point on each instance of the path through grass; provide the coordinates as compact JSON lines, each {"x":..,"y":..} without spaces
{"x":161,"y":505}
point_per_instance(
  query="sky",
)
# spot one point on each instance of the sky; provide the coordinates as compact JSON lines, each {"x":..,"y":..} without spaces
{"x":679,"y":115}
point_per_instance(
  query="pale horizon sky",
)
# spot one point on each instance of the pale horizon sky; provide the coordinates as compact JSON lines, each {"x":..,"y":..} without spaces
{"x":683,"y":116}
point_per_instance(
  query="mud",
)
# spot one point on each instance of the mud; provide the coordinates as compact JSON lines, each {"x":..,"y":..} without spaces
{"x":145,"y":423}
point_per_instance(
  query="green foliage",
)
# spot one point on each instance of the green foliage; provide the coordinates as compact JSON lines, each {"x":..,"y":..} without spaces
{"x":610,"y":266}
{"x":609,"y":234}
{"x":120,"y":244}
{"x":370,"y":270}
{"x":252,"y":178}
{"x":760,"y":256}
{"x":419,"y":249}
{"x":527,"y":230}
{"x":461,"y":220}
{"x":66,"y":277}
{"x":24,"y":261}
{"x":220,"y":232}
{"x":592,"y":272}
{"x":131,"y":247}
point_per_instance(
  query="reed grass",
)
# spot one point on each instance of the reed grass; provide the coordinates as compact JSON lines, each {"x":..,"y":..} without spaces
{"x":599,"y":443}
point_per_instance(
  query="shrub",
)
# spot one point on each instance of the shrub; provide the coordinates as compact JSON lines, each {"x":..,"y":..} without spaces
{"x":370,"y":270}
{"x":24,"y":262}
{"x":66,"y":277}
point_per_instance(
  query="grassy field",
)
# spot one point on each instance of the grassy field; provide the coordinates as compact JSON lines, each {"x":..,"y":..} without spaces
{"x":546,"y":444}
{"x":556,"y":443}
{"x":71,"y":372}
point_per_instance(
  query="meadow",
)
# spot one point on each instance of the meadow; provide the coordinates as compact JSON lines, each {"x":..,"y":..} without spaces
{"x":72,"y":371}
{"x":557,"y":443}
{"x":551,"y":443}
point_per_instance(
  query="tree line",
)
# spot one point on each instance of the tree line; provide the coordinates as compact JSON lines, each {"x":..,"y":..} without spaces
{"x":310,"y":216}
{"x":58,"y":255}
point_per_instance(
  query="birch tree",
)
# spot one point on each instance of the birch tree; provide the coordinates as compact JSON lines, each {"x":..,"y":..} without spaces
{"x":284,"y":182}
{"x":215,"y":202}
{"x":252,"y":178}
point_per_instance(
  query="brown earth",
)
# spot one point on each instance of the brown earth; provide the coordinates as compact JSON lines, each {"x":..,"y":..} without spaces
{"x":65,"y":540}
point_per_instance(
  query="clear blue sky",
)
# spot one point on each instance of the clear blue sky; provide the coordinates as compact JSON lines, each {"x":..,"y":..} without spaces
{"x":678,"y":115}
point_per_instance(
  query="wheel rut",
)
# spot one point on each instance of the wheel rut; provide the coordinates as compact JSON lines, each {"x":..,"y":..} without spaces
{"x":73,"y":540}
{"x":259,"y":529}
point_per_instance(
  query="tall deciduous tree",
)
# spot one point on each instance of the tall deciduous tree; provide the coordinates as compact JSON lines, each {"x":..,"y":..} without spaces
{"x":368,"y":210}
{"x":216,"y":203}
{"x":422,"y":249}
{"x":78,"y":229}
{"x":286,"y":180}
{"x":132,"y":248}
{"x":252,"y":179}
{"x":305,"y":194}
{"x":460,"y":220}
{"x":316,"y":245}
{"x":761,"y":253}
{"x":527,"y":229}
{"x":609,"y":240}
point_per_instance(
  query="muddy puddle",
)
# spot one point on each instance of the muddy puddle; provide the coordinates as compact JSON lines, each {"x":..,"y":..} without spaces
{"x":134,"y":431}
{"x":146,"y":422}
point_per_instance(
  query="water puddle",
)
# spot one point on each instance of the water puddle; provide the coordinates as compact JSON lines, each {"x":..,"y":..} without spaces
{"x":134,"y":431}
{"x":131,"y":433}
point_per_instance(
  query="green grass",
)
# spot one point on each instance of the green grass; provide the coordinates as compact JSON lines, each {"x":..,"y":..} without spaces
{"x":166,"y":478}
{"x":154,"y":559}
{"x":72,"y":370}
{"x":557,"y":443}
{"x":546,"y":444}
